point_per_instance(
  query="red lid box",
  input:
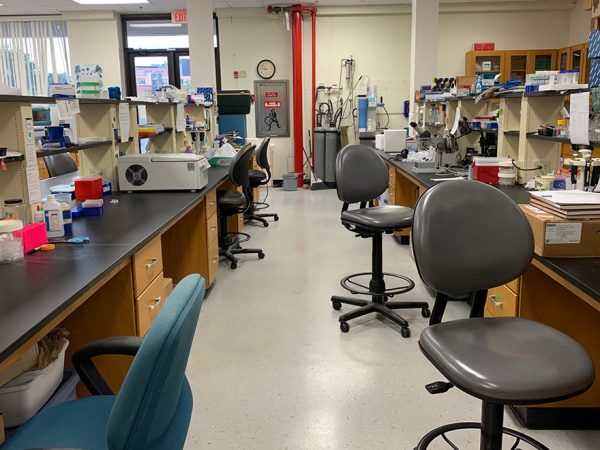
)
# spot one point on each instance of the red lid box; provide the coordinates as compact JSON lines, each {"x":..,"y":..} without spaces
{"x":88,"y":188}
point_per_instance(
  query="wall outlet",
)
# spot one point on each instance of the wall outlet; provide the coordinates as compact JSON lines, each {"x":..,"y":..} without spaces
{"x":243,"y":74}
{"x":544,"y":163}
{"x":96,"y":172}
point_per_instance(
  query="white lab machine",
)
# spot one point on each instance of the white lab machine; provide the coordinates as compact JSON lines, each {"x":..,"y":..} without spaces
{"x":394,"y":140}
{"x":161,"y":172}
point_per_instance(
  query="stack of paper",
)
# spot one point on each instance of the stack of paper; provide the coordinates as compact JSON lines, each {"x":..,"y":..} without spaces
{"x":568,"y":204}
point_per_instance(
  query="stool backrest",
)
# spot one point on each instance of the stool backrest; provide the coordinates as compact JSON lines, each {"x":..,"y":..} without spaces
{"x":468,"y":236}
{"x":262,"y":154}
{"x":360,"y":174}
{"x":240,"y":165}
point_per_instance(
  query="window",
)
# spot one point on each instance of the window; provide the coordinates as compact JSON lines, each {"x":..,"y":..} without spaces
{"x":33,"y":55}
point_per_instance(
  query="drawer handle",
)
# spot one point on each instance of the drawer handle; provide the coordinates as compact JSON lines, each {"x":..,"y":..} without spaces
{"x":212,"y":203}
{"x":213,"y":228}
{"x":152,"y":263}
{"x":495,"y":302}
{"x":154,"y":305}
{"x":215,"y":260}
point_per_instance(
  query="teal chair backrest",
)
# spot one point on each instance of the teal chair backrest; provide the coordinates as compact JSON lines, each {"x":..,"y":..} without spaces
{"x":153,"y":408}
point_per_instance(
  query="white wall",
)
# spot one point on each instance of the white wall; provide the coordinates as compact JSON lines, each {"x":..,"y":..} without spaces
{"x":579,"y":27}
{"x":95,"y":38}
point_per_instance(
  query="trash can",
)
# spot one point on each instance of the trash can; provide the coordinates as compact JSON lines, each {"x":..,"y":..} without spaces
{"x":290,"y":181}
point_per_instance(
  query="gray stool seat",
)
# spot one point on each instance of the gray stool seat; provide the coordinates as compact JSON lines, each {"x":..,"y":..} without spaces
{"x":256,"y":176}
{"x":230,"y":199}
{"x":384,"y":218}
{"x":508,"y":360}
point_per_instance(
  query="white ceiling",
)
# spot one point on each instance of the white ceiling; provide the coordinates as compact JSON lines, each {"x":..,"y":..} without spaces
{"x":29,"y":7}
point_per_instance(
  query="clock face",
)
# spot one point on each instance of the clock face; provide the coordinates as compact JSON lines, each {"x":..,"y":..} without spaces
{"x":265,"y":69}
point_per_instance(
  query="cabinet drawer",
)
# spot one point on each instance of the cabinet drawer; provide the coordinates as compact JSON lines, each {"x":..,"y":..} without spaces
{"x":392,"y":174}
{"x":212,"y":229}
{"x":514,"y":285}
{"x":147,"y":265}
{"x":148,"y":305}
{"x":501,"y":302}
{"x":210,"y":203}
{"x":213,"y":262}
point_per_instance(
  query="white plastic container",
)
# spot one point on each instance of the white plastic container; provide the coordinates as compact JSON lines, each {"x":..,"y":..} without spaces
{"x":24,"y":396}
{"x":11,"y":241}
{"x":53,"y":217}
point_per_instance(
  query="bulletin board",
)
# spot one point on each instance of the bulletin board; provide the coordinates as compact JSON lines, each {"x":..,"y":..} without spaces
{"x":272,"y":113}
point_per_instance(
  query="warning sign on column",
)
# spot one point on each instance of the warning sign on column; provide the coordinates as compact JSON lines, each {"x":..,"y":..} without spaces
{"x":272,"y":104}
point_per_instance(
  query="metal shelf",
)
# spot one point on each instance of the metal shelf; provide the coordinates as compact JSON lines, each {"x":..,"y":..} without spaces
{"x":10,"y":159}
{"x":74,"y":148}
{"x":515,"y":133}
{"x":562,"y":140}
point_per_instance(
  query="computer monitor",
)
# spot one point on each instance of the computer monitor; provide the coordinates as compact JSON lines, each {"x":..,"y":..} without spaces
{"x":41,"y":116}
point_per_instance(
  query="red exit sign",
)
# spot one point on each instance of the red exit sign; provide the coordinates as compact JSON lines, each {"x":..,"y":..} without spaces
{"x":179,"y":17}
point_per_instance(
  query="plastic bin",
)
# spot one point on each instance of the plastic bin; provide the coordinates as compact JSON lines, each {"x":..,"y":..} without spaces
{"x":24,"y":396}
{"x":67,"y":390}
{"x":290,"y":181}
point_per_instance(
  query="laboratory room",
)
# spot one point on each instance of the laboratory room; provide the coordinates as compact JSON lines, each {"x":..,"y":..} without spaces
{"x":337,"y":224}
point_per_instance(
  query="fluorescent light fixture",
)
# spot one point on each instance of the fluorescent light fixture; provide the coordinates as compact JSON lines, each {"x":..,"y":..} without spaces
{"x":155,"y":25}
{"x":109,"y":2}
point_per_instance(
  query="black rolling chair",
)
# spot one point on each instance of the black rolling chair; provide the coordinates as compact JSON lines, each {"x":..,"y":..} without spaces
{"x":59,"y":164}
{"x":260,"y":178}
{"x":232,"y":202}
{"x":502,"y":361}
{"x":361,"y":176}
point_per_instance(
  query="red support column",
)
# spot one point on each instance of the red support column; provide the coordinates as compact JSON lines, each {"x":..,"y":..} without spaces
{"x":314,"y":84}
{"x":297,"y":91}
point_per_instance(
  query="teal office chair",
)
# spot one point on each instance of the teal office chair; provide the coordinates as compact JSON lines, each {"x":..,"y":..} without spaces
{"x":153,"y":408}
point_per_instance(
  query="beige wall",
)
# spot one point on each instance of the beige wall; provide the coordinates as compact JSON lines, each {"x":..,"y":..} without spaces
{"x":579,"y":27}
{"x":509,"y":31}
{"x":95,"y":38}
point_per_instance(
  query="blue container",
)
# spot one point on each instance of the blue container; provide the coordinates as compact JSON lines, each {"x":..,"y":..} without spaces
{"x":55,"y":133}
{"x":363,"y":111}
{"x":89,"y":212}
{"x":114,"y":93}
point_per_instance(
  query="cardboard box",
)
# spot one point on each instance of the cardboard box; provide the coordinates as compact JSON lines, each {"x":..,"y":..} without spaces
{"x":561,"y":238}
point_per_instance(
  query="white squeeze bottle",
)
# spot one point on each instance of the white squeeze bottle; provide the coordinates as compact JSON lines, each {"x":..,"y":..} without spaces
{"x":53,"y":217}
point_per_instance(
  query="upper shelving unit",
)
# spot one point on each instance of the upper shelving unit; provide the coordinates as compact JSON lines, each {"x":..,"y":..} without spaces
{"x":75,"y":148}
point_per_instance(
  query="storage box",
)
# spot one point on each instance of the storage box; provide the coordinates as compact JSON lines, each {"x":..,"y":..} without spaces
{"x":88,"y":188}
{"x":561,"y":238}
{"x":25,"y":395}
{"x":594,"y":73}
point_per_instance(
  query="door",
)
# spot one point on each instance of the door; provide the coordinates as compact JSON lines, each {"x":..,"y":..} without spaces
{"x":564,"y":58}
{"x":542,"y":60}
{"x":517,"y":63}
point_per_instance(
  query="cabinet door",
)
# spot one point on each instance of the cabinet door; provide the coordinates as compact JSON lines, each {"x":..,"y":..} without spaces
{"x":480,"y":63}
{"x":576,"y":57}
{"x":517,"y":63}
{"x":542,"y":60}
{"x":564,"y":56}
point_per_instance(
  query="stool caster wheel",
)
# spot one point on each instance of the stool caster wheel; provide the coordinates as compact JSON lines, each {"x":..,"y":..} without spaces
{"x":276,"y":218}
{"x":426,"y":312}
{"x":266,"y":224}
{"x":344,"y":327}
{"x":233,"y":266}
{"x":405,"y":332}
{"x":336,"y":305}
{"x":261,"y":255}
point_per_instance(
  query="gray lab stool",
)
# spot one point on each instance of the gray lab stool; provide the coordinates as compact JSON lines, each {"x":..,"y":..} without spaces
{"x":361,"y":176}
{"x":502,"y":361}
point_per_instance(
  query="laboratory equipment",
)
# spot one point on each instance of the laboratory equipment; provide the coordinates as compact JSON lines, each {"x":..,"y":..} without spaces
{"x":41,"y":116}
{"x":178,"y":171}
{"x":319,"y":152}
{"x":88,"y":188}
{"x":394,"y":140}
{"x":34,"y":236}
{"x":11,"y":241}
{"x":14,"y":208}
{"x":332,"y":147}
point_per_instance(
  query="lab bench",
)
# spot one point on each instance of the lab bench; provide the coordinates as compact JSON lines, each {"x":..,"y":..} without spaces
{"x":560,"y":292}
{"x":107,"y":287}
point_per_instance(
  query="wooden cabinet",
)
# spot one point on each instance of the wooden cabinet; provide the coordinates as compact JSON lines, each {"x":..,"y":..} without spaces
{"x":501,"y":302}
{"x":479,"y":63}
{"x":564,"y":55}
{"x":149,"y":304}
{"x":147,"y":265}
{"x":517,"y":64}
{"x":542,"y":60}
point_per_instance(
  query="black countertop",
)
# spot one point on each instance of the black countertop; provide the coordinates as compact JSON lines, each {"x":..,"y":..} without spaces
{"x":36,"y":290}
{"x":583,"y":273}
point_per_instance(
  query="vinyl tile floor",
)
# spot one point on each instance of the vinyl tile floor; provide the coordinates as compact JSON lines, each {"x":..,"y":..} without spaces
{"x":270,"y":369}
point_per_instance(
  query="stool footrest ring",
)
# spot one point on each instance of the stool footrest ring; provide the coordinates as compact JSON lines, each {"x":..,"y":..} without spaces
{"x":441,"y":431}
{"x":354,"y":287}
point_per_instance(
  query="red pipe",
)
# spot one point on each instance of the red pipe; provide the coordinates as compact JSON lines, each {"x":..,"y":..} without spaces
{"x":297,"y":91}
{"x":314,"y":84}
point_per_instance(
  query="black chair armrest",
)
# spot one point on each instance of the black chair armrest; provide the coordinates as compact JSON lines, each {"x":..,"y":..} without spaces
{"x":87,"y":370}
